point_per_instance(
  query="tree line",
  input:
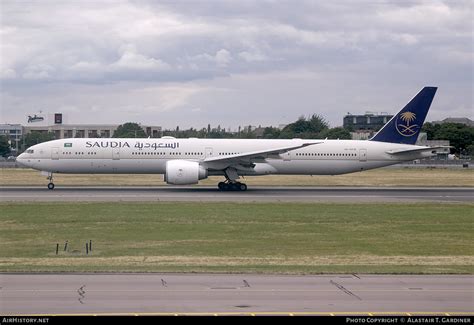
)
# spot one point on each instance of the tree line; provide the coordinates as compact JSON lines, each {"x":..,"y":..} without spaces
{"x":313,"y":127}
{"x":460,"y":136}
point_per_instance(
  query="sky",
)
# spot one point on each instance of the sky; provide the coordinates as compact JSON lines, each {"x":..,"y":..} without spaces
{"x":231,"y":63}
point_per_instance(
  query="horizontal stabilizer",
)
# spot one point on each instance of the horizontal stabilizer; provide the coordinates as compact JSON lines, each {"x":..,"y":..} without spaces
{"x":416,"y":150}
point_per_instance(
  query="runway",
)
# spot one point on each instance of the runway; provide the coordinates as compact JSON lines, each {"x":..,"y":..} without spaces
{"x":170,"y":294}
{"x":254,"y":194}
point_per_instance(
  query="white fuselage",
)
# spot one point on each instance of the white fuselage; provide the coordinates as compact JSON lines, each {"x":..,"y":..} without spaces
{"x":149,"y":156}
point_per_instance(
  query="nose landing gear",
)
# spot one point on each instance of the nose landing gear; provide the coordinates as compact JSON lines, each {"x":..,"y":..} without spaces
{"x":50,"y":179}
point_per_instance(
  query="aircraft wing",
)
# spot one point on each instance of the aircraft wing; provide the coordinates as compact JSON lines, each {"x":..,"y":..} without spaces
{"x":416,"y":150}
{"x":250,"y":157}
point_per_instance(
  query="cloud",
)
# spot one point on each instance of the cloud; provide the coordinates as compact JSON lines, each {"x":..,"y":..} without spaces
{"x":131,"y":60}
{"x":186,"y":51}
{"x":8,"y":74}
{"x":223,"y":58}
{"x":169,"y":97}
{"x":39,"y":71}
{"x":252,"y":56}
{"x":200,"y":41}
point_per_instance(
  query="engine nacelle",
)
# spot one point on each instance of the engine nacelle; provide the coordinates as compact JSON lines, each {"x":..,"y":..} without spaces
{"x":183,"y":172}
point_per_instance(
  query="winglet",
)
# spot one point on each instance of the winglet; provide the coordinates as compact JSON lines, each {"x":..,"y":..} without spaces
{"x":405,"y":126}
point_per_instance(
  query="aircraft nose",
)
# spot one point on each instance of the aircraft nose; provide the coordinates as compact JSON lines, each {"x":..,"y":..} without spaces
{"x":21,"y":159}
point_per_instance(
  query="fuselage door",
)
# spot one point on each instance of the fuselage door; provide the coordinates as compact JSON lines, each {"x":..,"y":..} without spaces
{"x":363,"y":155}
{"x":208,"y":153}
{"x":115,"y":153}
{"x":55,"y":153}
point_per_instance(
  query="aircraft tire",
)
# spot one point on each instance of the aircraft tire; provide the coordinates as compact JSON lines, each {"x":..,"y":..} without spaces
{"x":232,"y":186}
{"x":51,"y":186}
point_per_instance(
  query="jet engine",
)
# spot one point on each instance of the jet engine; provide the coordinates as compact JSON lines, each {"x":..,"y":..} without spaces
{"x":183,"y":172}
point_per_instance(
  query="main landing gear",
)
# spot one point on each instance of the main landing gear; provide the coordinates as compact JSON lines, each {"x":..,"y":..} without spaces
{"x":232,"y":186}
{"x":230,"y":183}
{"x":50,"y":179}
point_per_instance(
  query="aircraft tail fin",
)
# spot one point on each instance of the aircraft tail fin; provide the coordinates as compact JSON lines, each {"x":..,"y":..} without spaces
{"x":405,"y":126}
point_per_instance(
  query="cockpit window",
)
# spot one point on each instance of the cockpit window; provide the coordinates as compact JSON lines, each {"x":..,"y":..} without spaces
{"x":30,"y":151}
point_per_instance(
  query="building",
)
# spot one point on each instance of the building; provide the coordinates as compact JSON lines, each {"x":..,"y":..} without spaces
{"x":362,"y":135}
{"x":363,"y":127}
{"x":62,"y":131}
{"x":368,"y":122}
{"x":14,"y":133}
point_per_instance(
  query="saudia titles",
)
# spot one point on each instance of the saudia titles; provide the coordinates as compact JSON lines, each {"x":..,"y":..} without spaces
{"x":137,"y":145}
{"x":403,"y":124}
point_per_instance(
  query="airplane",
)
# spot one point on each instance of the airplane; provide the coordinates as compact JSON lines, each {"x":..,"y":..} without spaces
{"x":186,"y":161}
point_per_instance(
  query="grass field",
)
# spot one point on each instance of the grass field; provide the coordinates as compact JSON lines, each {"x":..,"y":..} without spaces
{"x":378,"y":177}
{"x":226,"y":237}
